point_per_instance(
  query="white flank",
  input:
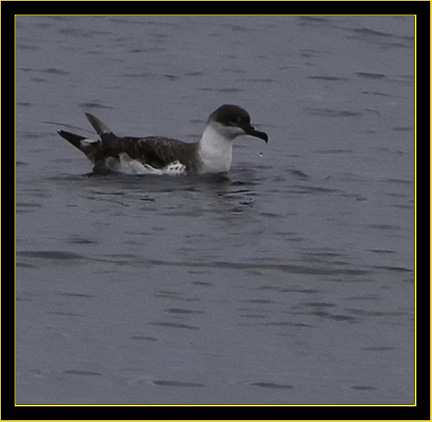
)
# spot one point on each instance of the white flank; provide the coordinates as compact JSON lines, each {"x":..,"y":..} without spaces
{"x":128,"y":165}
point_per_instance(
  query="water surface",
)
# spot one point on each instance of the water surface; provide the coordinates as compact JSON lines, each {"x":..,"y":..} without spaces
{"x":289,"y":282}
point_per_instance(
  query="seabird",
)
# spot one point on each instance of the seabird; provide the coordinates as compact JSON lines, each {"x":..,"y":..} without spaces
{"x":160,"y":155}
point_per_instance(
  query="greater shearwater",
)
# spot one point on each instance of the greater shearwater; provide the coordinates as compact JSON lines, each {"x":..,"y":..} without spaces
{"x":160,"y":155}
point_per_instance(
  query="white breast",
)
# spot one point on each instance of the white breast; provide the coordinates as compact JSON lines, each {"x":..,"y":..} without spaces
{"x":215,"y":151}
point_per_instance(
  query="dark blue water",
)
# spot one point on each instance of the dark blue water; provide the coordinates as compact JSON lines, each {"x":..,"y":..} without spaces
{"x":290,"y":282}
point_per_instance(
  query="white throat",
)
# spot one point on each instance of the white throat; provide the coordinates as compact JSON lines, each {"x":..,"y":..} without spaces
{"x":215,"y":149}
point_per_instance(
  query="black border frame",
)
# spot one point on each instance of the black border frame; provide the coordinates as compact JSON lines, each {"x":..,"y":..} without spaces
{"x":421,"y":411}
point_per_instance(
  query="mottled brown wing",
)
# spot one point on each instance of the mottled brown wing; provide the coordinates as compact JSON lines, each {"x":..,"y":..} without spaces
{"x":155,"y":151}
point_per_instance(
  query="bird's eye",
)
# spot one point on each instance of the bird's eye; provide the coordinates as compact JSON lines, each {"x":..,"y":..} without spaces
{"x":234,"y":120}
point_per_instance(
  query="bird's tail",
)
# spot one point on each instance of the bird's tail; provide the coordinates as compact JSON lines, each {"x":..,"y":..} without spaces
{"x":75,"y":140}
{"x":88,"y":146}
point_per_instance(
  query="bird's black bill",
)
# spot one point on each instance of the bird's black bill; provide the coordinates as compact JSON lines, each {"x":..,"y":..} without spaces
{"x":261,"y":135}
{"x":252,"y":132}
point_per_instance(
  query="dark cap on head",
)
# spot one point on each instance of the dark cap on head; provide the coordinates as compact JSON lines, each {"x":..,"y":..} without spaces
{"x":235,"y":116}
